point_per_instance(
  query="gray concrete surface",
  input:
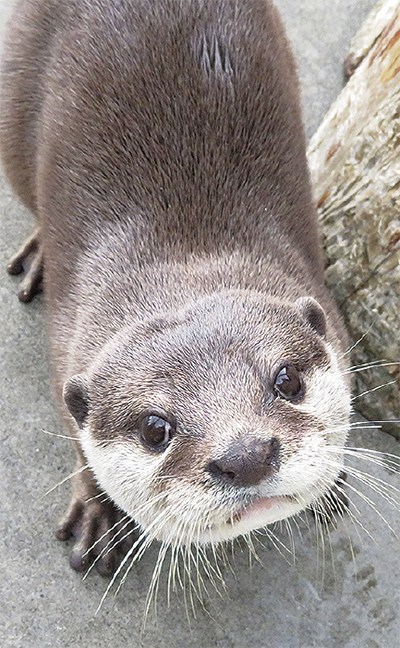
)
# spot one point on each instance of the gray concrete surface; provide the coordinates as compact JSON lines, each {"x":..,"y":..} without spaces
{"x":342,"y":590}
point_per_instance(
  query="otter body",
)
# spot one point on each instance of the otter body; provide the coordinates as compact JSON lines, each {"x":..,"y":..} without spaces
{"x":195,"y":353}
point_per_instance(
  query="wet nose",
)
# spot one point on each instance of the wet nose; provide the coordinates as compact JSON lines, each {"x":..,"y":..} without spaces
{"x":247,"y":462}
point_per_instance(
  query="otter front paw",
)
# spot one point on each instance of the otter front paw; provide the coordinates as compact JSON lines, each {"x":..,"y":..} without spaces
{"x":29,"y":259}
{"x":101,"y":533}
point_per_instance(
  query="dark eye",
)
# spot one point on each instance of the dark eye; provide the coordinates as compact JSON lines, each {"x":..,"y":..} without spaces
{"x":155,"y":432}
{"x":288,"y":384}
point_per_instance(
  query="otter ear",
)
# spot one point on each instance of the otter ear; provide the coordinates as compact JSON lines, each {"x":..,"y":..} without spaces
{"x":76,"y":397}
{"x":310,"y":310}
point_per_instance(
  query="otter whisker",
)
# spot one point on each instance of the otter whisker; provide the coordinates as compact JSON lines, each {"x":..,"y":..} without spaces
{"x":171,"y":572}
{"x":201,"y":587}
{"x":378,"y":486}
{"x":330,"y":544}
{"x":358,"y":342}
{"x":76,"y":472}
{"x":91,"y":499}
{"x":154,"y":584}
{"x":183,"y":582}
{"x":350,"y":426}
{"x":355,"y":520}
{"x":120,"y":540}
{"x":180,"y":579}
{"x":350,"y":469}
{"x":216,"y":567}
{"x":379,"y":421}
{"x":184,"y":589}
{"x":291,"y":538}
{"x":302,"y":515}
{"x":228,"y":558}
{"x":149,"y":504}
{"x":320,"y":549}
{"x":200,"y":580}
{"x":56,"y":434}
{"x":296,"y":524}
{"x":252,"y":550}
{"x":178,"y":531}
{"x":374,"y":389}
{"x":385,"y":490}
{"x":371,"y":365}
{"x":344,"y":522}
{"x":350,"y":515}
{"x":371,"y":424}
{"x":353,"y":553}
{"x":390,"y":467}
{"x":156,"y":573}
{"x":191,"y":583}
{"x":115,"y":576}
{"x":177,"y":577}
{"x":111,"y":544}
{"x":322,"y":517}
{"x":143,"y":542}
{"x":125,"y":517}
{"x":371,"y":504}
{"x":224,"y":555}
{"x":277,"y":543}
{"x":211,"y":571}
{"x":385,"y":460}
{"x":201,"y":557}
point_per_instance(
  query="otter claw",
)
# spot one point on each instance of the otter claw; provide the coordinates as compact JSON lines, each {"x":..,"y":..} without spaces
{"x":29,"y":259}
{"x":98,"y":529}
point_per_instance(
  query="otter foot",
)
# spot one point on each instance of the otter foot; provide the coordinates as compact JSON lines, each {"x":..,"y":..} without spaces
{"x":101,"y":533}
{"x":29,"y":259}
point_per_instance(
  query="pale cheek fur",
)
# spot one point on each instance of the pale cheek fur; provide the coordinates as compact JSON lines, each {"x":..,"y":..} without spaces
{"x":320,"y":458}
{"x":124,"y":472}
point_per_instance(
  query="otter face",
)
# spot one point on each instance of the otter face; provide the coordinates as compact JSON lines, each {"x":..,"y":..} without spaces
{"x":227,"y":417}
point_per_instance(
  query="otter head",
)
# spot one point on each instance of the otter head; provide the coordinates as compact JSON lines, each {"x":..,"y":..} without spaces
{"x":223,"y":418}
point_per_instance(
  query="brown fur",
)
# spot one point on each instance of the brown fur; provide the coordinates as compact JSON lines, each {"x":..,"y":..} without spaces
{"x":160,"y":145}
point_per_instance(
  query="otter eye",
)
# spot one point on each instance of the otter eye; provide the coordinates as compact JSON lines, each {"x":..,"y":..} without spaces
{"x":155,"y":432}
{"x":288,"y":384}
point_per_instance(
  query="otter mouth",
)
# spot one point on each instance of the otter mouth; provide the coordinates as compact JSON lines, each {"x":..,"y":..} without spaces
{"x":257,"y":515}
{"x":259,"y":507}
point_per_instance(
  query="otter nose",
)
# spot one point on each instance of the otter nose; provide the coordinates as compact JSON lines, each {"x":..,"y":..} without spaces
{"x":247,"y":462}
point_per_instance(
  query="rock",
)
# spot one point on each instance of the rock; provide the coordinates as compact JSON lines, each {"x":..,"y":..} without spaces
{"x":354,"y":161}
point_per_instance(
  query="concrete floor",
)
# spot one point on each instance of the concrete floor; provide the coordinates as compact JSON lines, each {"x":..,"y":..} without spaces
{"x":341,"y":592}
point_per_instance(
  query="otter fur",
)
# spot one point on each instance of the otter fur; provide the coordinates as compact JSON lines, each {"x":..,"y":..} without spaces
{"x":196,"y":355}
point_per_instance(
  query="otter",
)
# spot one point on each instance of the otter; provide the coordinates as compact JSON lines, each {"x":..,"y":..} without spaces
{"x":196,"y":357}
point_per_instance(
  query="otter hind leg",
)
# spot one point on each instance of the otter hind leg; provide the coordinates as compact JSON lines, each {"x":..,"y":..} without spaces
{"x":29,"y":259}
